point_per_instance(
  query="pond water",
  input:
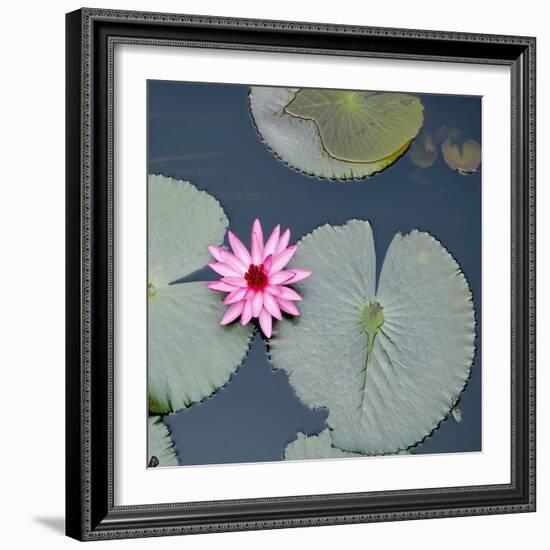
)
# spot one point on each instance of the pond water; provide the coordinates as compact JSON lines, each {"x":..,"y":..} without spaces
{"x":204,"y":133}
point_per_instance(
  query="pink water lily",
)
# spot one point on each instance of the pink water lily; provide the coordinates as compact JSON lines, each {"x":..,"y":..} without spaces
{"x":256,"y":280}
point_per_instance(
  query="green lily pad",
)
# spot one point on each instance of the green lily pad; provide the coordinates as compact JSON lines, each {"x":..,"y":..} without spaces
{"x":183,"y":221}
{"x":297,"y":141}
{"x":190,"y":355}
{"x":423,"y":151}
{"x":315,"y":447}
{"x":359,"y":126}
{"x":160,"y":447}
{"x":388,"y":363}
{"x":462,"y":156}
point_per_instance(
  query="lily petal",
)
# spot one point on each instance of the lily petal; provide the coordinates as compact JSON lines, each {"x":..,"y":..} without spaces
{"x":232,"y":261}
{"x":257,"y":303}
{"x":283,"y":241}
{"x":257,"y":228}
{"x":281,"y":278}
{"x":271,"y":306}
{"x":299,"y":275}
{"x":247,"y":312}
{"x":256,"y":249}
{"x":273,"y":290}
{"x":220,"y":286}
{"x":266,"y":323}
{"x":288,"y":294}
{"x":272,"y":242}
{"x":249,"y":294}
{"x":215,"y":251}
{"x":232,"y":313}
{"x":235,"y":282}
{"x":223,"y":269}
{"x":235,"y":296}
{"x":282,"y":259}
{"x":288,"y":307}
{"x":267,"y":263}
{"x":238,"y":248}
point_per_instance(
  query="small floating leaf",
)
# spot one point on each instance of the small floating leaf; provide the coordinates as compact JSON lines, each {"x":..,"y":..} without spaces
{"x":457,"y":414}
{"x":387,"y":363}
{"x":423,"y":151}
{"x":189,"y":354}
{"x":359,"y":126}
{"x":297,"y":141}
{"x":315,"y":447}
{"x":462,"y":156}
{"x":443,"y":132}
{"x":161,"y":451}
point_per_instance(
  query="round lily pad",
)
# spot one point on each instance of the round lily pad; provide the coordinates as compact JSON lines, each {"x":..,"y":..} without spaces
{"x":160,"y":447}
{"x":190,"y":355}
{"x":387,"y":362}
{"x":359,"y":126}
{"x":462,"y":156}
{"x":423,"y":151}
{"x":295,"y":137}
{"x":315,"y":447}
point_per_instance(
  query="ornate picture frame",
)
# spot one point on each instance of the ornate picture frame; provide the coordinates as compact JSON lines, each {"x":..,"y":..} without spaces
{"x":91,"y":509}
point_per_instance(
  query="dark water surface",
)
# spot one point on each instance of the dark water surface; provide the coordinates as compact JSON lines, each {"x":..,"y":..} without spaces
{"x":204,"y":133}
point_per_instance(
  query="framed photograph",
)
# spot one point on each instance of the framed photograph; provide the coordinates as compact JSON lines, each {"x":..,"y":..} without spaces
{"x":300,"y":274}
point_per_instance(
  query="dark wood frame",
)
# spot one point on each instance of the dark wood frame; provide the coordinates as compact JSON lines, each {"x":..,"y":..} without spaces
{"x":91,"y":37}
